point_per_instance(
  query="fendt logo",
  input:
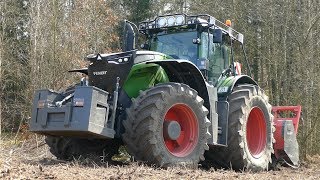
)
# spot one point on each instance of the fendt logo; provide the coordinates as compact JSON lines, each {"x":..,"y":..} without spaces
{"x":99,"y":73}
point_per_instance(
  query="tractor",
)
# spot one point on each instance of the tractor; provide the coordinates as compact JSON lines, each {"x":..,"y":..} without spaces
{"x":180,"y":100}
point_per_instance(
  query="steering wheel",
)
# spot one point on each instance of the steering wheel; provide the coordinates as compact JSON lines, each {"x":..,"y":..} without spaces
{"x":174,"y":56}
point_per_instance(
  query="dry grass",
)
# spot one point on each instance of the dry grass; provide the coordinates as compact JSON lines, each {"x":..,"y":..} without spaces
{"x":30,"y":159}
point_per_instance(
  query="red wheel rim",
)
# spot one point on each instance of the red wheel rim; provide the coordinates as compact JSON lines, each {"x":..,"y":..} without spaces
{"x":256,"y":132}
{"x":188,"y":137}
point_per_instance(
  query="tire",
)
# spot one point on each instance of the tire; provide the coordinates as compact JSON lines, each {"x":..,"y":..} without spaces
{"x":146,"y":136}
{"x":250,"y":132}
{"x":66,"y":148}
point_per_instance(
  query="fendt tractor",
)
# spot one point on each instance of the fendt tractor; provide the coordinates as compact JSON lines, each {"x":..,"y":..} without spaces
{"x":180,"y":100}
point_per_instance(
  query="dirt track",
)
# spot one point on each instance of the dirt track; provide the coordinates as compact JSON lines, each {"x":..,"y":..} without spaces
{"x":26,"y":161}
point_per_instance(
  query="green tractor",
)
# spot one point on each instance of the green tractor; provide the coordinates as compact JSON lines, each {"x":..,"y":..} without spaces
{"x":181,"y":100}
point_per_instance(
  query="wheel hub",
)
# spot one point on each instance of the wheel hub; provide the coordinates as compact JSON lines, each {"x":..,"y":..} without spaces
{"x":172,"y":130}
{"x":180,"y":130}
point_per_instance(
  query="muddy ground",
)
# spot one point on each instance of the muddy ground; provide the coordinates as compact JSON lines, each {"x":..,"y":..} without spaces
{"x":31,"y":159}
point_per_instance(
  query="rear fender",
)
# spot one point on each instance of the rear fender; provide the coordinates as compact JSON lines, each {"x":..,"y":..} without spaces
{"x":226,"y":85}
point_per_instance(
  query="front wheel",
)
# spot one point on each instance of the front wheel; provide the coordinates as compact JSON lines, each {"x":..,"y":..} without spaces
{"x":167,"y":125}
{"x":67,"y":148}
{"x":250,"y":131}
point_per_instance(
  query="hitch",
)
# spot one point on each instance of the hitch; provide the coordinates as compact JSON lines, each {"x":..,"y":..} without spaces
{"x":286,"y":120}
{"x":115,"y":103}
{"x":59,"y":103}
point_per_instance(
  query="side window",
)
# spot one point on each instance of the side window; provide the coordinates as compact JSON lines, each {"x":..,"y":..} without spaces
{"x":219,"y":59}
{"x":207,"y":47}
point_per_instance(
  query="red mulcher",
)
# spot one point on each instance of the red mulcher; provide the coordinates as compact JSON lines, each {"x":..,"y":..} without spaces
{"x":286,"y":120}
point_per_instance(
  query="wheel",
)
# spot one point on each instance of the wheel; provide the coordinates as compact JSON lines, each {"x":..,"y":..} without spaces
{"x":167,"y":125}
{"x":250,"y":132}
{"x":66,"y":148}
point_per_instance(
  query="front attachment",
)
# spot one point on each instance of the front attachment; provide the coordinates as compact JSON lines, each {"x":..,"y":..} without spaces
{"x":83,"y":113}
{"x":286,"y":148}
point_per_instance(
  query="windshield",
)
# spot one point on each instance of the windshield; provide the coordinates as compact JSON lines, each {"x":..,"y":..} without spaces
{"x":177,"y":45}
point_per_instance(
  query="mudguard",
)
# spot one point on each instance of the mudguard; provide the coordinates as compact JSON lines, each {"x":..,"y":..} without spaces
{"x":226,"y":84}
{"x":184,"y":71}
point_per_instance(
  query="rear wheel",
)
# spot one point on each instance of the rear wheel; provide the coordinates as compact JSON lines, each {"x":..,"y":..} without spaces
{"x":167,"y":125}
{"x":250,"y":131}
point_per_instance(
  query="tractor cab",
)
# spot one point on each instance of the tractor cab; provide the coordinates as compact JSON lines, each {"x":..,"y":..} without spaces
{"x":201,"y":39}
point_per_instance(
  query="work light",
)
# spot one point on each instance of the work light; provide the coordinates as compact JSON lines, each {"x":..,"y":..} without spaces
{"x":162,"y":22}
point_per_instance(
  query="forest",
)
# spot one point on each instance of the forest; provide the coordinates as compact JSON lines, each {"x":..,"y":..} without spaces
{"x":41,"y":40}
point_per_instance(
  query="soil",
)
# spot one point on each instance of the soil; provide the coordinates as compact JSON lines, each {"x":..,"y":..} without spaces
{"x":31,"y":159}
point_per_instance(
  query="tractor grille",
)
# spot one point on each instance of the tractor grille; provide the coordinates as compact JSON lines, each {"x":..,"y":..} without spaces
{"x":104,"y":70}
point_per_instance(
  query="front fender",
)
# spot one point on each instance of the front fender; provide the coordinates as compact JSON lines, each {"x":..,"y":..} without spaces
{"x":183,"y":71}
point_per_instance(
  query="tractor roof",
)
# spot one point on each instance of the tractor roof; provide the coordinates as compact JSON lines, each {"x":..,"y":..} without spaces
{"x":187,"y":21}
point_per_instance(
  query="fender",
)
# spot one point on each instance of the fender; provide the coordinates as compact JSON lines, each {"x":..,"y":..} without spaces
{"x":183,"y":71}
{"x":226,"y":85}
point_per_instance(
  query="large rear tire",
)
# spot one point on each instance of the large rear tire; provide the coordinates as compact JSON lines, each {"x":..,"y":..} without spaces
{"x":67,"y":148}
{"x":167,"y":125}
{"x":250,"y":132}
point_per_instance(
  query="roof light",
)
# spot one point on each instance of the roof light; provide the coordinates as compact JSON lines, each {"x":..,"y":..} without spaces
{"x":179,"y":20}
{"x":228,"y":22}
{"x":171,"y":21}
{"x":162,"y":22}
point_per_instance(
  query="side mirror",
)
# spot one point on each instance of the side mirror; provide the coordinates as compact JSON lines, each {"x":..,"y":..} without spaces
{"x":129,"y":37}
{"x":217,"y":36}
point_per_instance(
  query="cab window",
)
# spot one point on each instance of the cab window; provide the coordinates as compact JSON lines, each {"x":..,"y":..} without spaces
{"x":218,"y":54}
